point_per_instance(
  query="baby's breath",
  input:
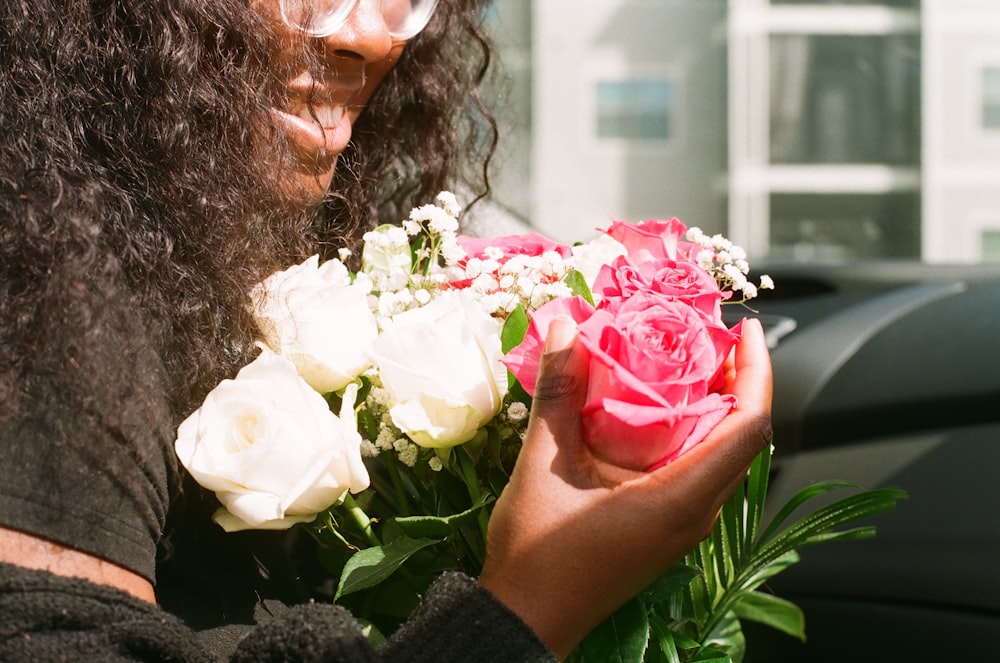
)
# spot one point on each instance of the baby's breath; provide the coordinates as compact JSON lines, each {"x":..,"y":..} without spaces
{"x":727,"y":264}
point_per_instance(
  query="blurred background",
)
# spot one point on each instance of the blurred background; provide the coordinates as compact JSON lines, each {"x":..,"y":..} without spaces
{"x":853,"y":148}
{"x":806,"y":131}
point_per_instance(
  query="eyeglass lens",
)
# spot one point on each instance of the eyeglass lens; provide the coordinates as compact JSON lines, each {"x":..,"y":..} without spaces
{"x":321,"y":18}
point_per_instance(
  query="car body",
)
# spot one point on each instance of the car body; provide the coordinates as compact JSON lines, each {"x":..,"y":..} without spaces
{"x":888,"y":374}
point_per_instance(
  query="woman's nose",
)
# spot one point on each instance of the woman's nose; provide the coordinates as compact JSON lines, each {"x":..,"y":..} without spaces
{"x":364,"y":34}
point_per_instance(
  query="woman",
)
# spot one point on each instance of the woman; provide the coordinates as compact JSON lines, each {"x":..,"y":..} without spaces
{"x":157,"y":159}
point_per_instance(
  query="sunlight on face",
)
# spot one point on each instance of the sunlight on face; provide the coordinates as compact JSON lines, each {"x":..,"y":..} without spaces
{"x":326,"y":81}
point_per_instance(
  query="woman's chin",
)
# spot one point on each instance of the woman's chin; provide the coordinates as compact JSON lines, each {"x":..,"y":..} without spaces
{"x":307,"y":188}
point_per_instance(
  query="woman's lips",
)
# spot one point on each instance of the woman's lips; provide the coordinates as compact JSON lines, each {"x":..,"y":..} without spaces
{"x":317,"y":131}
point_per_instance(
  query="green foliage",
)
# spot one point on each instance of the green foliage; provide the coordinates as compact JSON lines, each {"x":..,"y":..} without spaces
{"x":371,"y":566}
{"x":577,"y":283}
{"x":694,"y":613}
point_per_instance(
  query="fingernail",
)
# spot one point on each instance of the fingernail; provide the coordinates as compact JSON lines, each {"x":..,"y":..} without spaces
{"x":561,"y":334}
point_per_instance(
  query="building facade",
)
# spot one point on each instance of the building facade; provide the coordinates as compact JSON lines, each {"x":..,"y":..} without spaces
{"x":805,"y":130}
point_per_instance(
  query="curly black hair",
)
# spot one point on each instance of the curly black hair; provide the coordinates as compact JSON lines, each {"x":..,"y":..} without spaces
{"x":134,"y":186}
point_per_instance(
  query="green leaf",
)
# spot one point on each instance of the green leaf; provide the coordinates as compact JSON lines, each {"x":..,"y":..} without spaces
{"x":514,"y":329}
{"x":710,"y":655}
{"x":578,"y":285}
{"x":367,"y":568}
{"x":664,"y":637}
{"x":828,"y":518}
{"x":439,"y":527}
{"x":772,"y":611}
{"x":756,"y":495}
{"x":800,"y":498}
{"x":371,"y":632}
{"x":761,"y":572}
{"x":621,"y":638}
{"x":726,"y":637}
{"x":672,"y":582}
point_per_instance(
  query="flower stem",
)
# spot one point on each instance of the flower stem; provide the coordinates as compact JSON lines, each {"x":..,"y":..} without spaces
{"x":361,"y":519}
{"x":398,"y":489}
{"x":471,"y":478}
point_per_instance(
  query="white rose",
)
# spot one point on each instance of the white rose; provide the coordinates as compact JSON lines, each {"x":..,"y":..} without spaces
{"x":440,"y":365}
{"x":267,"y":444}
{"x":317,"y":318}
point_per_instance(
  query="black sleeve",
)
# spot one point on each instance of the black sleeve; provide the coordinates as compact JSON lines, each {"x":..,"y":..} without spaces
{"x":457,"y":621}
{"x":44,"y":617}
{"x":86,"y":446}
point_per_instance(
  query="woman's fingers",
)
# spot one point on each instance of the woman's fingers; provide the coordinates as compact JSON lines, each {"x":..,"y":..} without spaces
{"x":752,"y":385}
{"x":560,"y":392}
{"x":562,"y":374}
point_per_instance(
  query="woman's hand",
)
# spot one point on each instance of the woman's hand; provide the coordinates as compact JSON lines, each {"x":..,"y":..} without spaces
{"x":573,"y":537}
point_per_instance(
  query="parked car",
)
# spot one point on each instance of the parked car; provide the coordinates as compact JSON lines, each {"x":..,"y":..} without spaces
{"x":888,"y":374}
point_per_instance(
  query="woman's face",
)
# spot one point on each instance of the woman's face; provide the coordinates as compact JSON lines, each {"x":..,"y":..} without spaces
{"x":322,"y":93}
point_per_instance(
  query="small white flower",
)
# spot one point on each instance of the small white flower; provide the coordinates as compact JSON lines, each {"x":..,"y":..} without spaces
{"x":408,"y":456}
{"x":695,"y":235}
{"x":386,"y":438}
{"x":766,"y":282}
{"x":368,"y":449}
{"x":721,"y":242}
{"x":736,"y":276}
{"x":448,"y":201}
{"x":435,"y":464}
{"x":422,"y":296}
{"x":493,"y":253}
{"x":517,"y":411}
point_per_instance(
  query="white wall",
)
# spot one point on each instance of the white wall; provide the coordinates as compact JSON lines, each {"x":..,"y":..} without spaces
{"x":961,"y":184}
{"x":580,"y":180}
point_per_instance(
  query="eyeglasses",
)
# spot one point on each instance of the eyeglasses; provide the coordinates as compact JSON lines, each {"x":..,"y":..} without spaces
{"x":321,"y":18}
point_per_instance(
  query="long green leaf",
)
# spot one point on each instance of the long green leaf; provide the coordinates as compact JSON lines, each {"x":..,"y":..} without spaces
{"x":753,"y":576}
{"x":664,"y":637}
{"x":367,"y":568}
{"x":825,"y":519}
{"x":756,"y":495}
{"x":772,"y":611}
{"x":726,"y":635}
{"x":800,"y":498}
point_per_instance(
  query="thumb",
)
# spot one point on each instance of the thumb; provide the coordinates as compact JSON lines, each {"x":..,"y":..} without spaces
{"x":560,"y":392}
{"x":561,"y":386}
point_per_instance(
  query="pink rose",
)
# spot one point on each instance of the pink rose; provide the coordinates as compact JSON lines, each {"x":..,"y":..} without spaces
{"x":528,"y":244}
{"x":676,"y":279}
{"x":653,"y":239}
{"x":656,"y":370}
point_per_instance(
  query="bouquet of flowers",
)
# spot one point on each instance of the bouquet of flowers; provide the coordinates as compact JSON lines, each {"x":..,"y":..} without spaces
{"x":387,"y":407}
